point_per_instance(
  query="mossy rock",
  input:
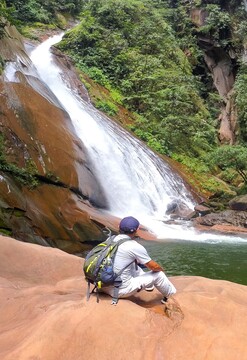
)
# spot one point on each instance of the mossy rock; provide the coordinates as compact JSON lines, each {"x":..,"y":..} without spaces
{"x":6,"y":231}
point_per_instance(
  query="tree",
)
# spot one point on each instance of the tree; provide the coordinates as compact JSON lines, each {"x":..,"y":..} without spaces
{"x":234,"y":157}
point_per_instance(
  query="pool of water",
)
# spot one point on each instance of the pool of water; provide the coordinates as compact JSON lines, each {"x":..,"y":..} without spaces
{"x":226,"y":261}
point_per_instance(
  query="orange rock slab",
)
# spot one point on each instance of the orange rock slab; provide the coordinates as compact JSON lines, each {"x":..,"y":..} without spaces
{"x":44,"y":314}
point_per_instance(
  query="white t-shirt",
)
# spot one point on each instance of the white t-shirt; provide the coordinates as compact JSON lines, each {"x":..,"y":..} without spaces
{"x":127,"y":253}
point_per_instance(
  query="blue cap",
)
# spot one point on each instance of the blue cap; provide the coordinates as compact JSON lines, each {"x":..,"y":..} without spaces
{"x":128,"y":225}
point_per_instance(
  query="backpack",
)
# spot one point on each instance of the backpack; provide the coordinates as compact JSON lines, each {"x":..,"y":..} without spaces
{"x":98,"y":267}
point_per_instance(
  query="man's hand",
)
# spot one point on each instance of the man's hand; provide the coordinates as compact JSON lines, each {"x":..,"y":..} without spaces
{"x":154,"y":266}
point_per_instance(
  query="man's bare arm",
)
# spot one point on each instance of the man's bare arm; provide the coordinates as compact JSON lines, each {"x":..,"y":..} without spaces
{"x":154,"y":266}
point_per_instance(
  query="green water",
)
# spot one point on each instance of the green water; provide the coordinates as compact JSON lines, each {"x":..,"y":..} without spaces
{"x":226,"y":261}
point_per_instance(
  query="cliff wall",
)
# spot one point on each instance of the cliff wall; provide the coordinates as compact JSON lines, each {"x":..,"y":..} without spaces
{"x":48,"y":187}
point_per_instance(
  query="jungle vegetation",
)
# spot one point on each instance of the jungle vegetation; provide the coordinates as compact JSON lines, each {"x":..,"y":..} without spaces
{"x":42,"y":11}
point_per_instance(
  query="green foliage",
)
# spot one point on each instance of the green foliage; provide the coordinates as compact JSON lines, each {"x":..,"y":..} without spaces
{"x":33,"y":31}
{"x":241,"y":90}
{"x":27,"y":176}
{"x":242,"y":190}
{"x":229,"y":176}
{"x":214,"y":102}
{"x":230,"y":157}
{"x":107,"y":106}
{"x":24,"y":176}
{"x":51,"y":178}
{"x":217,"y":24}
{"x":127,"y":45}
{"x":29,"y":11}
{"x":115,"y":95}
{"x":241,"y":31}
{"x":6,"y":232}
{"x":31,"y":167}
{"x":155,"y":144}
{"x":86,"y":83}
{"x":44,"y":11}
{"x":195,"y":165}
{"x":61,"y":21}
{"x":179,"y":17}
{"x":2,"y":64}
{"x":20,"y":174}
{"x":201,"y":178}
{"x":5,"y":16}
{"x":97,"y":75}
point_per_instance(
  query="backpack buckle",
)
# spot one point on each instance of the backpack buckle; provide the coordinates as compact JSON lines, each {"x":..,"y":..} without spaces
{"x":114,"y":301}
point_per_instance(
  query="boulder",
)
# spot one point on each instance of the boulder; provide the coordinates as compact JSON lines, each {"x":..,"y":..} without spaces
{"x":179,"y":210}
{"x":202,"y":209}
{"x":239,"y":203}
{"x":172,"y":207}
{"x":228,"y":217}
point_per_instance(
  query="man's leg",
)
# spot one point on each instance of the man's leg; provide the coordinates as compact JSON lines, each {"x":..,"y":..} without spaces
{"x":147,"y":279}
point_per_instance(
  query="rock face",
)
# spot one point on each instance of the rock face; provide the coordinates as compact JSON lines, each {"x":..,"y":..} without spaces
{"x":44,"y":314}
{"x":37,"y":135}
{"x":226,"y":221}
{"x":229,"y":221}
{"x":221,"y":63}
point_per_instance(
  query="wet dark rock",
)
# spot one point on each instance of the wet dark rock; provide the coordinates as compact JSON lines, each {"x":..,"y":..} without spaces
{"x":171,"y":207}
{"x":202,"y":210}
{"x":184,"y":215}
{"x":239,"y":203}
{"x":230,"y":217}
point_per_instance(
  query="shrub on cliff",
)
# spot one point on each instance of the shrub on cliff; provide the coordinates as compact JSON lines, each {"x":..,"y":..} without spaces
{"x":231,"y":157}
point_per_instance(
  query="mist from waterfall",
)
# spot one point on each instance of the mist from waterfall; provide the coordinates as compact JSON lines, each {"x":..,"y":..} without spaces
{"x":135,"y":180}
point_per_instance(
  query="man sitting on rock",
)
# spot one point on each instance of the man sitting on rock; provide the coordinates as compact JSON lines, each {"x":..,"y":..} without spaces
{"x":133,"y":277}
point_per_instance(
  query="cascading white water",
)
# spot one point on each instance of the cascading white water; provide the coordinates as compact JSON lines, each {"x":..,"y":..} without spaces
{"x":135,"y":180}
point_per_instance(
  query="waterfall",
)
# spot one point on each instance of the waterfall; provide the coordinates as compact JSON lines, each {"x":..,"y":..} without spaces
{"x":135,"y":180}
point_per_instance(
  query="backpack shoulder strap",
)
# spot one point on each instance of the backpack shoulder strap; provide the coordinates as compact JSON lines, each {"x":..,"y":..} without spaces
{"x":118,"y":280}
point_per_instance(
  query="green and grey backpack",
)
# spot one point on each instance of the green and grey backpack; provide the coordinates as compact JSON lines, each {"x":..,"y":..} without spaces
{"x":99,"y":267}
